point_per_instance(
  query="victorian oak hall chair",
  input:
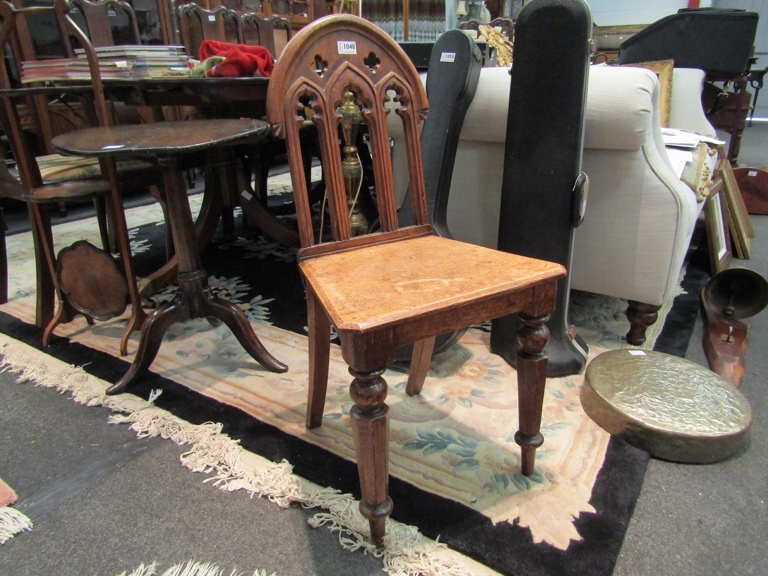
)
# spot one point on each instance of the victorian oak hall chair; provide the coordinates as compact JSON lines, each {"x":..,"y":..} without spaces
{"x":398,"y":285}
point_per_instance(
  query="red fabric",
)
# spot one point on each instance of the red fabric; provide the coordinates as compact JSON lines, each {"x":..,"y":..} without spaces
{"x":239,"y":59}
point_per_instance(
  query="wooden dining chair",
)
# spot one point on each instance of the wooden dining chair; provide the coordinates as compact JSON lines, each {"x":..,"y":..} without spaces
{"x":105,"y":23}
{"x":197,"y":24}
{"x":272,"y":32}
{"x":49,"y":178}
{"x":398,"y":285}
{"x":98,"y":20}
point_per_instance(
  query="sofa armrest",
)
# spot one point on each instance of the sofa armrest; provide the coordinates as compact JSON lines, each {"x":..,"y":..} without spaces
{"x":619,"y":108}
{"x":639,"y":222}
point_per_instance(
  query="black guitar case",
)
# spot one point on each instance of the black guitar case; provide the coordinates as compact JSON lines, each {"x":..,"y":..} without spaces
{"x":454,"y":71}
{"x":543,"y":193}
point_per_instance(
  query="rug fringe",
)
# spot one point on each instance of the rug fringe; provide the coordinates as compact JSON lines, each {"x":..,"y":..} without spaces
{"x":191,"y":568}
{"x":12,"y":522}
{"x":407,"y":552}
{"x":143,"y":570}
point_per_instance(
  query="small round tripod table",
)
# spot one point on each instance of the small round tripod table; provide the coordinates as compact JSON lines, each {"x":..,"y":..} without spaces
{"x":668,"y":406}
{"x":168,"y":142}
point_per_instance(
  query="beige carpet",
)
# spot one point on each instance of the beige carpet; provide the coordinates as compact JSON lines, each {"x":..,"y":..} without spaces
{"x":455,"y":439}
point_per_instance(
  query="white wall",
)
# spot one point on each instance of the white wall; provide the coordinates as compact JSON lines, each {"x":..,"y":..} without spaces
{"x":615,"y":12}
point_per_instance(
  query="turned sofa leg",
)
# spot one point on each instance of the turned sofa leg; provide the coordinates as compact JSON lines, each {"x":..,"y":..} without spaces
{"x":640,"y":317}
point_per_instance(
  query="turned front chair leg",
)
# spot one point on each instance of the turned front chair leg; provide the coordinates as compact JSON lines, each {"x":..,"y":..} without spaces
{"x":533,"y":336}
{"x":640,"y":317}
{"x":370,"y":429}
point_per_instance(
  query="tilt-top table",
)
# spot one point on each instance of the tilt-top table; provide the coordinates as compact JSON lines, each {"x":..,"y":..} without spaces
{"x":169,"y":142}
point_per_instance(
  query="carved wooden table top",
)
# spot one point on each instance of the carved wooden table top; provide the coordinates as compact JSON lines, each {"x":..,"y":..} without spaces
{"x":157,"y":139}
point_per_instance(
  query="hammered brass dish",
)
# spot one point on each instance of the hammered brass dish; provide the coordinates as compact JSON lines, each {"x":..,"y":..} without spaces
{"x":672,"y":408}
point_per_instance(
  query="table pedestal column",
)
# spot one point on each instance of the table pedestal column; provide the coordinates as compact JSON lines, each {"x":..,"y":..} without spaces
{"x":194,"y":298}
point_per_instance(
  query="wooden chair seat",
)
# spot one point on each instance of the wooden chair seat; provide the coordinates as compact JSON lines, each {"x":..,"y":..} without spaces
{"x":67,"y":191}
{"x":57,"y":168}
{"x":400,"y":285}
{"x":67,"y":178}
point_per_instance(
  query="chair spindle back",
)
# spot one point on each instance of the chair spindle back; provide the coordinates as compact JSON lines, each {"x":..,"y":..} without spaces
{"x":271,"y":32}
{"x":197,"y":24}
{"x":98,"y":18}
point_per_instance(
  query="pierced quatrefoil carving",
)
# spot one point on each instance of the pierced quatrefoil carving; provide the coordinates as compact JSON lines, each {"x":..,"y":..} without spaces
{"x":320,"y":65}
{"x":372,"y":61}
{"x":305,"y":109}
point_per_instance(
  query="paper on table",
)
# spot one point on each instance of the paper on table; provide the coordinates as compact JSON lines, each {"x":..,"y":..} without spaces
{"x":685,"y":139}
{"x":678,"y":138}
{"x":679,"y":159}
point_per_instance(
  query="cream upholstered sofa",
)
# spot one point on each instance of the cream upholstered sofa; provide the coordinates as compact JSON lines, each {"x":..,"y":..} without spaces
{"x":639,"y":217}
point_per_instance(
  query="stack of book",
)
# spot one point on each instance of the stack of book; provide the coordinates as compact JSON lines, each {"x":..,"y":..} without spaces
{"x":140,"y":61}
{"x":115,"y":62}
{"x":48,"y":70}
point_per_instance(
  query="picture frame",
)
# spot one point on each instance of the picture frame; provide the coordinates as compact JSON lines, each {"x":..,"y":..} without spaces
{"x":718,"y":234}
{"x":738,"y":218}
{"x":664,"y":70}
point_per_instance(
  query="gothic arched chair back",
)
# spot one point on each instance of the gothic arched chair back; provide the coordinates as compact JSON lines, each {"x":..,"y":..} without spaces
{"x":359,"y":69}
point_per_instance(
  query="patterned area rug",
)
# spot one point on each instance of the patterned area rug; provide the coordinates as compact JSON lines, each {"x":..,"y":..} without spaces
{"x":453,"y":459}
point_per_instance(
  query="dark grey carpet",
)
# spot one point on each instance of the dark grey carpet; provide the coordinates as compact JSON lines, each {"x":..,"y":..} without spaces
{"x":62,"y":459}
{"x":705,"y":520}
{"x":108,"y":514}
